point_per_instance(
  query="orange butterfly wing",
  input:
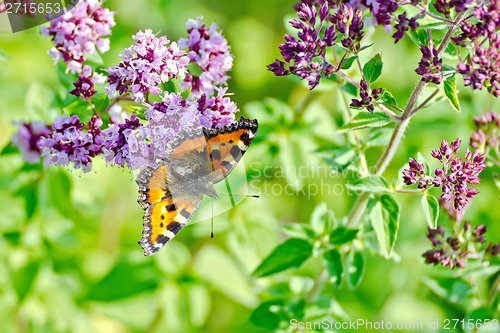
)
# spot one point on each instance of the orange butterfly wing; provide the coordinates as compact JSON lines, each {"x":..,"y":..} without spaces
{"x":227,"y":145}
{"x":164,"y":216}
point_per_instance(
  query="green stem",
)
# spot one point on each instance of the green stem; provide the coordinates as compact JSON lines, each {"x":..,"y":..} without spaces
{"x":318,"y":284}
{"x":302,"y":106}
{"x":399,"y":129}
{"x":495,"y":288}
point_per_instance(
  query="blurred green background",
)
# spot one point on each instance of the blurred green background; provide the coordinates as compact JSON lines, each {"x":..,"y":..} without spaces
{"x":69,"y":258}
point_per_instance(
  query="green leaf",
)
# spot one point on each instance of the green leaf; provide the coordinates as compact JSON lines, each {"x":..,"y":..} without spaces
{"x":79,"y":108}
{"x":431,"y":209}
{"x":379,"y":137}
{"x":23,"y":279}
{"x":354,"y":268}
{"x":334,"y":267}
{"x":389,"y":100}
{"x":9,"y":149}
{"x":292,"y":253}
{"x":373,"y":69}
{"x":419,"y":37}
{"x":450,"y":92}
{"x":371,"y":183}
{"x":384,"y":217}
{"x":266,"y":315}
{"x":3,"y":55}
{"x":366,"y":120}
{"x":29,"y":194}
{"x":364,"y":47}
{"x":347,"y":63}
{"x":339,"y":157}
{"x":101,"y":102}
{"x":451,"y":49}
{"x":342,"y":235}
{"x":478,"y":317}
{"x":421,"y":159}
{"x":349,"y":88}
{"x":59,"y":189}
{"x":322,"y":219}
{"x":114,"y":287}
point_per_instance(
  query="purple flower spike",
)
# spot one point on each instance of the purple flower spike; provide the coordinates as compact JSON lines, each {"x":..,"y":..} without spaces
{"x":146,"y":64}
{"x":84,"y":86}
{"x":67,"y":142}
{"x":79,"y":32}
{"x":430,"y":66}
{"x":208,"y":49}
{"x":27,"y":138}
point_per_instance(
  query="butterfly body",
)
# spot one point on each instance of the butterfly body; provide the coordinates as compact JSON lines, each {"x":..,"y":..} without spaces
{"x":196,"y":160}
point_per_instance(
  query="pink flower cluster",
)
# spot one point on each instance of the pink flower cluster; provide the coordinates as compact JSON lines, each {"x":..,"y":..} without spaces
{"x":80,"y":31}
{"x":146,"y":64}
{"x":208,"y":49}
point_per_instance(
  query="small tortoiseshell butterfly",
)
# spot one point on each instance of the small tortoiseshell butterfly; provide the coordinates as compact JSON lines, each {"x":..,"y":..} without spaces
{"x":196,"y":160}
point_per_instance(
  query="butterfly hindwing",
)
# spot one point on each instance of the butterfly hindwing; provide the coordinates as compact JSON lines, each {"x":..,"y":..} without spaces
{"x":152,"y":186}
{"x":227,"y":145}
{"x":163,"y":220}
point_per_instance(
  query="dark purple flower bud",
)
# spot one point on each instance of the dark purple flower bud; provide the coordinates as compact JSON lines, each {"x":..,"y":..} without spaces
{"x":279,"y":68}
{"x":439,"y":172}
{"x":437,"y":182}
{"x":430,"y":66}
{"x":324,"y":11}
{"x":453,"y":242}
{"x":467,"y":226}
{"x":479,"y":230}
{"x":403,"y":26}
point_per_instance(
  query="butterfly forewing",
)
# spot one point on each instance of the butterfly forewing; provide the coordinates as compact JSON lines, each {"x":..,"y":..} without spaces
{"x":227,"y":145}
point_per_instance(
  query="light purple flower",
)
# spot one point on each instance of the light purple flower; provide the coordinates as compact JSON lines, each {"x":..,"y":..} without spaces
{"x":146,"y":64}
{"x":217,"y":111}
{"x":116,"y":145}
{"x":69,"y":143}
{"x":208,"y":49}
{"x":27,"y":137}
{"x":165,"y":120}
{"x":84,"y":86}
{"x":455,"y":176}
{"x":80,"y":31}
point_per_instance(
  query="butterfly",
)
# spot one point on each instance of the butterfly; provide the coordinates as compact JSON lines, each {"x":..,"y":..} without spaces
{"x":195,"y":160}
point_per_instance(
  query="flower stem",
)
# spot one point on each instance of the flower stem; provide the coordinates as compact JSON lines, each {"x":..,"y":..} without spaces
{"x":399,"y":129}
{"x":318,"y":284}
{"x":495,"y":288}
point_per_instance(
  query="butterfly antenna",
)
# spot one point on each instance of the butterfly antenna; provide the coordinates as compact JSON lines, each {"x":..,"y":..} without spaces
{"x":240,"y":195}
{"x":212,"y":223}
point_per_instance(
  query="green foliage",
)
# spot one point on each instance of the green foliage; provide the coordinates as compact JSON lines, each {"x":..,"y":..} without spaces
{"x":292,"y":253}
{"x":373,"y":69}
{"x":431,"y":209}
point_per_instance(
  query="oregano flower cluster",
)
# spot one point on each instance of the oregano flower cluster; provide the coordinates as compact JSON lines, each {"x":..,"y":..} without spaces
{"x":454,"y":177}
{"x":80,"y":31}
{"x":323,"y":24}
{"x":135,"y":140}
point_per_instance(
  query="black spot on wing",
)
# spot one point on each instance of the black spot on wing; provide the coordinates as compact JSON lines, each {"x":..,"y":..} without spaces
{"x":245,"y":138}
{"x":170,"y":207}
{"x":235,"y":151}
{"x":226,"y":164}
{"x":162,"y":239}
{"x":174,"y":226}
{"x":216,"y":154}
{"x":185,"y":213}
